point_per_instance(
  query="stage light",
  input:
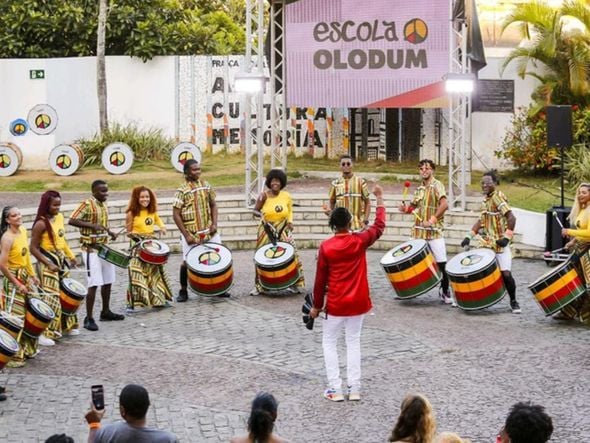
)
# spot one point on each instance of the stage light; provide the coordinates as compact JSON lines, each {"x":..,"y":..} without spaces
{"x":458,"y":83}
{"x":250,"y":82}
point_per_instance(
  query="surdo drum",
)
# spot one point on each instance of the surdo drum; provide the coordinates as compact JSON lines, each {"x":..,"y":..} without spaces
{"x":558,"y":288}
{"x":476,"y":279}
{"x":153,"y":252}
{"x":8,"y":348}
{"x":11,"y":324}
{"x":411,"y":269}
{"x":71,"y":295}
{"x":210,"y":269}
{"x":276,"y":266}
{"x":37,"y":317}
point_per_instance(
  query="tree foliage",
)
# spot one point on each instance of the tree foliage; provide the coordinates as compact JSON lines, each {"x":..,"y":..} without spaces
{"x":139,"y":28}
{"x":556,"y":43}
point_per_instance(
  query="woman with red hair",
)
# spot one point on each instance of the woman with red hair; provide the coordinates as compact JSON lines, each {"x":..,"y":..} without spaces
{"x":148,"y":283}
{"x":50,"y":248}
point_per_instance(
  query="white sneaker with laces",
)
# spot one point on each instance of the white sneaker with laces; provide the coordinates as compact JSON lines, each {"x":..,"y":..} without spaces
{"x":46,"y":341}
{"x":74,"y":331}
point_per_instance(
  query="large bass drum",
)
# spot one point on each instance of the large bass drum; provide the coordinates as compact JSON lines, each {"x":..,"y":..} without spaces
{"x":476,"y":279}
{"x":210,"y":269}
{"x":277,"y":266}
{"x":411,"y":269}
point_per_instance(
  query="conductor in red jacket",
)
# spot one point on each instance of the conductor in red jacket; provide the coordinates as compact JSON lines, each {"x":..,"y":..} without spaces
{"x":342,"y":290}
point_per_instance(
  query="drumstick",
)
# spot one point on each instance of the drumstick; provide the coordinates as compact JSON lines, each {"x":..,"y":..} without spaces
{"x":407,"y":185}
{"x":11,"y":300}
{"x":558,"y":220}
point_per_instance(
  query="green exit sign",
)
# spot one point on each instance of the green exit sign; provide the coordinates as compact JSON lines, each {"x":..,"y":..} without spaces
{"x":35,"y":74}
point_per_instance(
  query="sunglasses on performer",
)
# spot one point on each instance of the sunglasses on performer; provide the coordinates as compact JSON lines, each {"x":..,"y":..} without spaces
{"x":346,"y":164}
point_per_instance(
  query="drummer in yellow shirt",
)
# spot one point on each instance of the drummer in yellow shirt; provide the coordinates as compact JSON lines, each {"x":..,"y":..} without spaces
{"x":148,"y":283}
{"x":15,"y":264}
{"x":275,"y":207}
{"x":50,"y":248}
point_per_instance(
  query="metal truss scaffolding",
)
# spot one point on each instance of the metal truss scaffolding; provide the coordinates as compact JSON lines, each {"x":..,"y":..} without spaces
{"x":254,"y":122}
{"x":459,"y":155}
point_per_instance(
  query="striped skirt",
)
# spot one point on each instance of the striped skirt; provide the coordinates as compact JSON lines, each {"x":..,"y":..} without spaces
{"x":148,"y":285}
{"x":28,"y":345}
{"x":284,"y":236}
{"x":580,"y":307}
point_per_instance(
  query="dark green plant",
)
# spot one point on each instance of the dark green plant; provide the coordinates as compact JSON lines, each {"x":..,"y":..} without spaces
{"x":144,"y":29}
{"x":147,"y":144}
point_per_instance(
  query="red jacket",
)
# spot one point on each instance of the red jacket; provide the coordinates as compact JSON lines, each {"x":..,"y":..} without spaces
{"x":341,"y":272}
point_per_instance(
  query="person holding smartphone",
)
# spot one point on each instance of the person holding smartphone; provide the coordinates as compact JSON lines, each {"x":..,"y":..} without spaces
{"x":341,"y":286}
{"x":134,"y":403}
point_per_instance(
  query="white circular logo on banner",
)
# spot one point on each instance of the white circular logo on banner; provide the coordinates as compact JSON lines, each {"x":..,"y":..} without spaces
{"x":182,"y":152}
{"x":117,"y":158}
{"x":42,"y":119}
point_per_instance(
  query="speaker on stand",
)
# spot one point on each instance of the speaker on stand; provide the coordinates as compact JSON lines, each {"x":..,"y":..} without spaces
{"x":559,"y":134}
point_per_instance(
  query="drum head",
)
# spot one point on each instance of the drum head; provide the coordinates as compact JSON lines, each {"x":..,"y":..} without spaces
{"x":42,"y":119}
{"x":117,"y":158}
{"x":208,"y":258}
{"x":64,"y":160}
{"x":5,"y":317}
{"x":9,"y":160}
{"x":182,"y":152}
{"x":403,"y":252}
{"x":155,"y":247}
{"x":274,"y":255}
{"x":470,"y":262}
{"x":41,"y":307}
{"x":8,"y":343}
{"x":74,"y":286}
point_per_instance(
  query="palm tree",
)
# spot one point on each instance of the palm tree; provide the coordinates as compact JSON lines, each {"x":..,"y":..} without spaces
{"x":557,"y":48}
{"x":101,"y":76}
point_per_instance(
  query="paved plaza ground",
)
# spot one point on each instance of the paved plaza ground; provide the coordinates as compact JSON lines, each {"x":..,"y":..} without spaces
{"x":203,"y":362}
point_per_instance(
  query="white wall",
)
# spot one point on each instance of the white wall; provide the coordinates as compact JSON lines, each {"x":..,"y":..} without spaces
{"x":489,"y":128}
{"x":137,"y":91}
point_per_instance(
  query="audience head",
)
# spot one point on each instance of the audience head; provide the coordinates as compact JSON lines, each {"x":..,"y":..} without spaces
{"x":59,"y":438}
{"x":527,"y":423}
{"x":450,"y":437}
{"x":340,"y":219}
{"x":134,"y":402}
{"x":262,"y":416}
{"x":416,"y":422}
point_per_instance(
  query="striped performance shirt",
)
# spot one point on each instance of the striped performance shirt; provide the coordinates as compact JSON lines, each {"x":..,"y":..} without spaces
{"x":493,"y":219}
{"x":95,"y":212}
{"x":351,"y":193}
{"x":194,"y":200}
{"x":425,"y":202}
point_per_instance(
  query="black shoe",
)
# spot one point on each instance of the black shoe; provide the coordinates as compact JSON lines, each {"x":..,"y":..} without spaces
{"x":111,"y":316}
{"x":2,"y":397}
{"x":90,"y":324}
{"x":182,"y":296}
{"x":2,"y":389}
{"x":225,"y":295}
{"x":515,"y":307}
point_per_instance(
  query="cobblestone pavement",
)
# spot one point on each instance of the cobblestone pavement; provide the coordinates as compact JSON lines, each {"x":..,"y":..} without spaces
{"x":203,"y":362}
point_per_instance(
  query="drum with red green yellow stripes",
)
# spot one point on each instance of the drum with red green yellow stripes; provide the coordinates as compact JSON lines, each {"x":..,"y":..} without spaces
{"x":476,"y":279}
{"x":411,"y":269}
{"x":277,"y":266}
{"x":558,"y":288}
{"x":210,"y":269}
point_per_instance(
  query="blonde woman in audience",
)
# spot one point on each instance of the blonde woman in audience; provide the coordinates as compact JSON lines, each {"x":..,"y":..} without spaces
{"x":450,"y":437}
{"x":416,"y":422}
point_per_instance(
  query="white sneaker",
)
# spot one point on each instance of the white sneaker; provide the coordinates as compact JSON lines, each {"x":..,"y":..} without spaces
{"x":75,"y":331}
{"x":254,"y":292}
{"x":45,"y":341}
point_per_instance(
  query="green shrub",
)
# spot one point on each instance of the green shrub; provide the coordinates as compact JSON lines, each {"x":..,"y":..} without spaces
{"x":146,"y":144}
{"x":525,"y":144}
{"x":577,"y":165}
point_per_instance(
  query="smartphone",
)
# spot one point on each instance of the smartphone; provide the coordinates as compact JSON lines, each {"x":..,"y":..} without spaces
{"x":98,"y":397}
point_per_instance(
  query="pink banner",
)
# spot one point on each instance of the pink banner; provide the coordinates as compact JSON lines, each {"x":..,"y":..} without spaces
{"x":374,"y":53}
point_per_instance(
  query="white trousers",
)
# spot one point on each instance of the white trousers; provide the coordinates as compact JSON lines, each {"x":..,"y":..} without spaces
{"x":332,"y":328}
